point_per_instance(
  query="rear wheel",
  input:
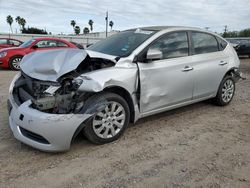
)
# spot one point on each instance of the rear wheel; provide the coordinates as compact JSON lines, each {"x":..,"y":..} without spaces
{"x":109,"y":121}
{"x":226,"y":91}
{"x":14,"y":62}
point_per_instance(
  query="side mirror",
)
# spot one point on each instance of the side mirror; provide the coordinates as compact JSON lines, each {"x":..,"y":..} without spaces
{"x":154,"y":54}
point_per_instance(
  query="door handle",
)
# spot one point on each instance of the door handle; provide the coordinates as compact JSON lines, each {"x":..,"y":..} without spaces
{"x":187,"y":68}
{"x":222,"y":63}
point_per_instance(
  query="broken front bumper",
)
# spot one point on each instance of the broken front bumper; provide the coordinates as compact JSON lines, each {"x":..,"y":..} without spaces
{"x":44,"y":131}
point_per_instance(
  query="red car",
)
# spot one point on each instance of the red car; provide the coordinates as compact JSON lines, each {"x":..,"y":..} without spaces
{"x":8,"y":42}
{"x":11,"y":57}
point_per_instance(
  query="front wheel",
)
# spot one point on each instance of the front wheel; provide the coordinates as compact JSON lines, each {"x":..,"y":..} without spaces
{"x":226,"y":91}
{"x":14,"y":62}
{"x":110,"y":119}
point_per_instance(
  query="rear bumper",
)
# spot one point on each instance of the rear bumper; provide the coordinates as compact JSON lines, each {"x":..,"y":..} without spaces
{"x":238,"y":75}
{"x":44,"y":131}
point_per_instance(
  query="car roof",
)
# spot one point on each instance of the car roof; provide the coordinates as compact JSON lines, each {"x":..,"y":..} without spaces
{"x":172,"y":28}
{"x":48,"y":38}
{"x":160,"y":28}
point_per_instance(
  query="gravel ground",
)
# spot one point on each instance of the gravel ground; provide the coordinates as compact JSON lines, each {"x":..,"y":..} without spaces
{"x":200,"y":145}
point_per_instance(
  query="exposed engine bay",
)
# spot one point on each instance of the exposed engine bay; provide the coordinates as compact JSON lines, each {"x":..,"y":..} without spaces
{"x":61,"y":97}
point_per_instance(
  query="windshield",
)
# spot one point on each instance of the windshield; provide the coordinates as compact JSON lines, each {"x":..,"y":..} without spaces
{"x":122,"y":44}
{"x":27,"y":43}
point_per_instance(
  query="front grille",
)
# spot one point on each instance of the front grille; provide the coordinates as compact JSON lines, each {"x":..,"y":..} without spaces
{"x":33,"y":136}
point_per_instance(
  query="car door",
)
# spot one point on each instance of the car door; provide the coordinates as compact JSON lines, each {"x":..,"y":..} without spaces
{"x":166,"y":81}
{"x":209,"y":63}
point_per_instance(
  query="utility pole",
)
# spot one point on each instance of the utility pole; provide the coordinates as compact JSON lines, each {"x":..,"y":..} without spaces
{"x":106,"y":18}
{"x":225,"y":28}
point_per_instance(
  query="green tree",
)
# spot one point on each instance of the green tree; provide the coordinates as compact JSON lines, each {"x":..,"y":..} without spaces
{"x":22,"y":23}
{"x":244,"y":33}
{"x":9,"y":20}
{"x":86,"y":30}
{"x":111,"y":23}
{"x":91,"y":25}
{"x":73,"y":24}
{"x":18,"y":18}
{"x":77,"y":30}
{"x":34,"y":30}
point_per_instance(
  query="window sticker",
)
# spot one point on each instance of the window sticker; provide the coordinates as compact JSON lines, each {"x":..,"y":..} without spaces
{"x":143,"y":31}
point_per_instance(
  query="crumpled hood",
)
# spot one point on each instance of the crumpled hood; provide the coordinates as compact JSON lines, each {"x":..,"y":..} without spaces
{"x":101,"y":55}
{"x":49,"y":65}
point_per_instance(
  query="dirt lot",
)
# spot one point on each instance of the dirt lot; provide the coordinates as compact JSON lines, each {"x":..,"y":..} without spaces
{"x":201,"y":145}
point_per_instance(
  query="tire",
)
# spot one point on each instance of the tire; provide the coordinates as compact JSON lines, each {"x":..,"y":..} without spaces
{"x":103,"y":127}
{"x":226,"y":91}
{"x":14,"y":62}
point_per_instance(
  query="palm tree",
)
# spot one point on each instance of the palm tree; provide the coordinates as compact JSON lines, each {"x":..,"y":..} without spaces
{"x":18,"y":18}
{"x":9,"y":20}
{"x":73,"y":24}
{"x":22,"y":22}
{"x":91,"y":25}
{"x":111,"y":23}
{"x":85,"y":30}
{"x":77,"y":30}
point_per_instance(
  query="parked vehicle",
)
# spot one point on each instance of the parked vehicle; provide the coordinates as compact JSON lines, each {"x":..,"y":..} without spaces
{"x":11,"y":57}
{"x":9,"y":42}
{"x":243,"y":48}
{"x":128,"y":76}
{"x":241,"y":45}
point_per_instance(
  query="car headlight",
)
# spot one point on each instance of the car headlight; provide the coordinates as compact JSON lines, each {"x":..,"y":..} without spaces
{"x":76,"y":83}
{"x":3,"y":54}
{"x":13,"y":82}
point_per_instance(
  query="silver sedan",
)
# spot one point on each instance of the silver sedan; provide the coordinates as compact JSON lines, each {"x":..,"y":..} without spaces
{"x":130,"y":75}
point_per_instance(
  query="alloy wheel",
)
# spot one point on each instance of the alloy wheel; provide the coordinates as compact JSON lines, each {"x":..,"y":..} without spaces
{"x":109,"y":122}
{"x":16,"y":63}
{"x":227,"y":90}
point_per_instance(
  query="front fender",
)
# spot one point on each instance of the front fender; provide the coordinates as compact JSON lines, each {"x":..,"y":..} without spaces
{"x":97,"y":81}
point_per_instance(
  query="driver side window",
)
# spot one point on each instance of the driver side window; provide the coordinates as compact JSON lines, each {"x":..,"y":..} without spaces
{"x":172,"y":45}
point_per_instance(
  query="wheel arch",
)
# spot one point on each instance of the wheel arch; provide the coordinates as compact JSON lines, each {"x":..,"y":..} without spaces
{"x":119,"y":91}
{"x":231,"y":71}
{"x":127,"y":97}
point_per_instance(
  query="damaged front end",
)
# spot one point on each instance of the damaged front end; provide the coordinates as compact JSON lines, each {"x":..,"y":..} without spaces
{"x":57,"y":92}
{"x":47,"y":96}
{"x":46,"y":105}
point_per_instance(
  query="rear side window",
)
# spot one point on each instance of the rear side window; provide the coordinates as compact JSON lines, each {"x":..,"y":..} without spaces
{"x":222,"y":44}
{"x":172,"y":45}
{"x":204,"y":43}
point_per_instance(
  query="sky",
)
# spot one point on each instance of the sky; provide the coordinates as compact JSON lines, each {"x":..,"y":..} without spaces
{"x":55,"y":15}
